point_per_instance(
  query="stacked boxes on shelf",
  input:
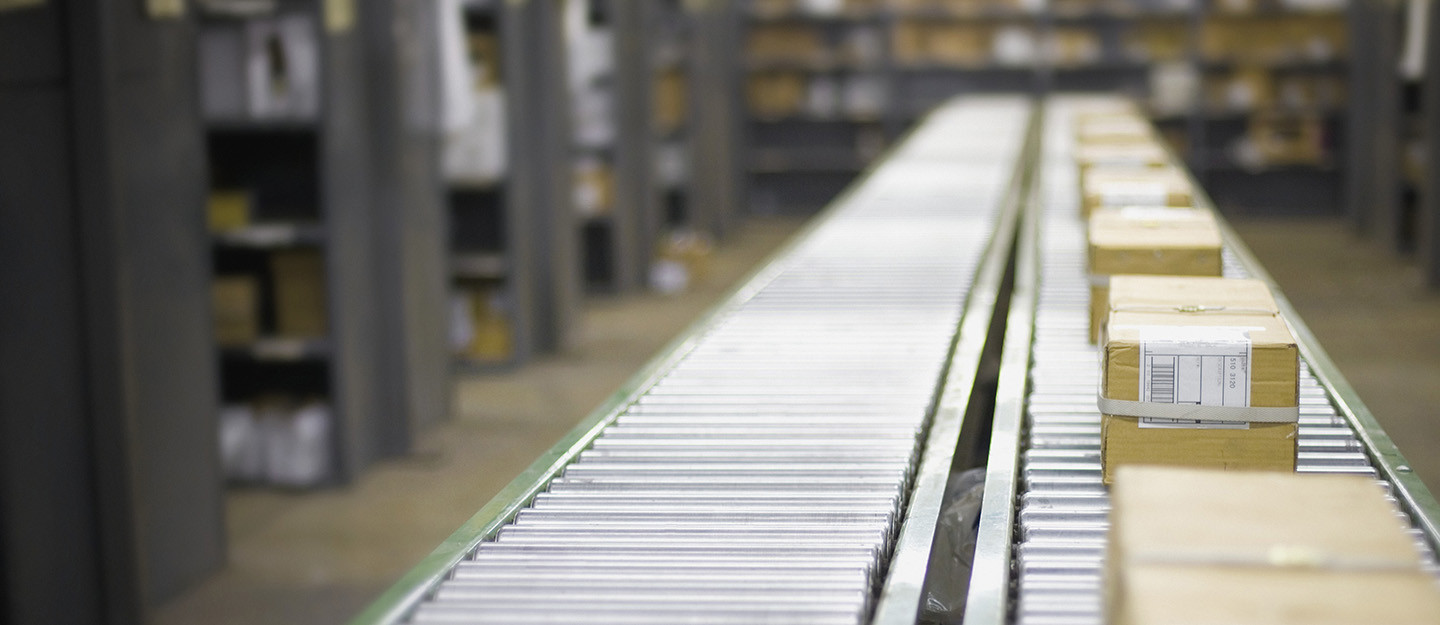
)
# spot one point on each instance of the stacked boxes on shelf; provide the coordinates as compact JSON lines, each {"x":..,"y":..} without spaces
{"x":477,"y":167}
{"x":1249,"y":91}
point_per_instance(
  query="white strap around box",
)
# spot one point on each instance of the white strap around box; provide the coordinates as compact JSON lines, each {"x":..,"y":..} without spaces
{"x":1248,"y":414}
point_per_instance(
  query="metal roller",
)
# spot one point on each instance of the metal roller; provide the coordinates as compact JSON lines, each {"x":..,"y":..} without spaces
{"x":769,"y":470}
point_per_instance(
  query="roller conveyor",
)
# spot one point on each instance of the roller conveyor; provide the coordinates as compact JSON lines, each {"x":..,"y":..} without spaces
{"x":769,"y":470}
{"x":785,"y":462}
{"x":1043,"y":530}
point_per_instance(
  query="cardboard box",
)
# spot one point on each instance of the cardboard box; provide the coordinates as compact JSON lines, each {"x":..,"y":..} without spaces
{"x":1120,"y":186}
{"x":236,"y":304}
{"x":958,"y":45}
{"x":1132,"y":292}
{"x":1188,"y":359}
{"x":1287,"y":139}
{"x":1113,"y":127}
{"x":669,"y":100}
{"x":787,"y":43}
{"x":1148,"y":241}
{"x":1126,"y":155}
{"x":228,"y":210}
{"x":299,"y":282}
{"x":1191,"y":547}
{"x":775,"y":94}
{"x":484,"y":49}
{"x":491,"y":339}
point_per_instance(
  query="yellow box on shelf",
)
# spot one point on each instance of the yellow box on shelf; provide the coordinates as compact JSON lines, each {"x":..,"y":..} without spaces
{"x":227,"y":210}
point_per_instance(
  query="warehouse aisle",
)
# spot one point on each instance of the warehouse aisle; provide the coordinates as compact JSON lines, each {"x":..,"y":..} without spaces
{"x":1372,"y":313}
{"x":321,"y":558}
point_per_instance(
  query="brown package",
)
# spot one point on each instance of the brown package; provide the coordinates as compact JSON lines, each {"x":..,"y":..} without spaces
{"x":1148,"y":241}
{"x":1269,"y":360}
{"x":1192,"y":547}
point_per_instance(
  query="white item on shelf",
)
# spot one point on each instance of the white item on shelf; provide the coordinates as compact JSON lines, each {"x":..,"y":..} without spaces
{"x":669,"y":276}
{"x":1014,"y":46}
{"x":1174,"y":87}
{"x":865,"y":96}
{"x":242,"y":452}
{"x":822,"y":97}
{"x":462,"y":323}
{"x":670,"y":164}
{"x":477,"y":152}
{"x":298,"y":445}
{"x":822,"y":7}
{"x":1412,"y":53}
{"x":283,"y":67}
{"x":457,"y":75}
{"x":594,"y":117}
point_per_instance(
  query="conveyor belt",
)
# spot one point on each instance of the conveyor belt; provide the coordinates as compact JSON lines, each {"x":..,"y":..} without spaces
{"x":785,"y":461}
{"x":1044,"y":480}
{"x":770,"y":466}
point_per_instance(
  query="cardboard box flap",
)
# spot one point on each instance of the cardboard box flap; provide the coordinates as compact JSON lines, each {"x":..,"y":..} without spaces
{"x":1139,"y":293}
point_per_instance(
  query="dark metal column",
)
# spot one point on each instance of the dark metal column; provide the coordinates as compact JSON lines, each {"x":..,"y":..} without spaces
{"x":544,"y":233}
{"x":716,"y":160}
{"x":1430,"y":194}
{"x":411,"y":233}
{"x":108,"y":463}
{"x":1372,"y":169}
{"x":637,"y":204}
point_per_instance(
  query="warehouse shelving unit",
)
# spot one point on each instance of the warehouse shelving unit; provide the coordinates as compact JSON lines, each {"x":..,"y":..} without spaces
{"x":286,"y":128}
{"x":1390,"y":121}
{"x":1265,"y":130}
{"x":515,"y":236}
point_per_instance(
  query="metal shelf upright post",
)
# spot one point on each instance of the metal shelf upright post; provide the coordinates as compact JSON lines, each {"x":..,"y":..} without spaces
{"x":109,"y":497}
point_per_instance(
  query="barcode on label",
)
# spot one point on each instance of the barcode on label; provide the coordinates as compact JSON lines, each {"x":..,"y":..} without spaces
{"x":1162,"y":381}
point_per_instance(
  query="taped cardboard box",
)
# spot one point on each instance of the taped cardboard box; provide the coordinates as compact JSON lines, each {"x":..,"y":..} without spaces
{"x":1209,"y":389}
{"x":1113,"y":127}
{"x":1183,"y":293}
{"x":1127,"y":155}
{"x":1134,"y":186}
{"x":1148,"y":241}
{"x":1188,"y":547}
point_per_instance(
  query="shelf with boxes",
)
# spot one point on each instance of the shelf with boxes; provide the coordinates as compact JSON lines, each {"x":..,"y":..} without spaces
{"x":509,"y":164}
{"x":478,"y":168}
{"x":1280,"y":67}
{"x":818,"y":83}
{"x":289,"y":227}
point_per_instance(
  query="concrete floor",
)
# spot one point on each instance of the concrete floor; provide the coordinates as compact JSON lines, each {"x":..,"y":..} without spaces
{"x":320,"y":558}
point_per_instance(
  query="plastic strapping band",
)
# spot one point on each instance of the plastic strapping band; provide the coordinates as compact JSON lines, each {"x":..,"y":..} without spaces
{"x":1248,"y":414}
